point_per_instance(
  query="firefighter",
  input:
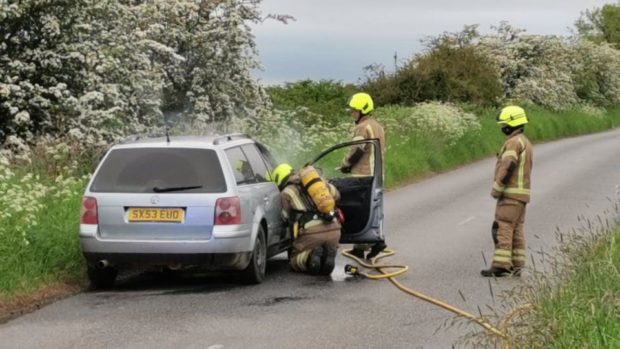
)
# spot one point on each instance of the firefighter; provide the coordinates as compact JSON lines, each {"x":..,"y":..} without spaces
{"x":511,"y":188}
{"x":360,"y":159}
{"x":315,"y":239}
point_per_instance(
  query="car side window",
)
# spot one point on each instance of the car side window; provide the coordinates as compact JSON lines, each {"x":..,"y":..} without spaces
{"x":240,"y":166}
{"x":261,"y":173}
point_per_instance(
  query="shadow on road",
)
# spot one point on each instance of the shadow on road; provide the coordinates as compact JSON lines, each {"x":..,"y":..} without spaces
{"x":169,"y":282}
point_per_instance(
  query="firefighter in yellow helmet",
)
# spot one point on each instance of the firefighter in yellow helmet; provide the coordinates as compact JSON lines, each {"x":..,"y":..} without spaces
{"x":360,"y":159}
{"x":315,"y":239}
{"x":511,"y":188}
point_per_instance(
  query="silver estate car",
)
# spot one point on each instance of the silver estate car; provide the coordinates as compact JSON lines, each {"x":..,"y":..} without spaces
{"x":182,"y":201}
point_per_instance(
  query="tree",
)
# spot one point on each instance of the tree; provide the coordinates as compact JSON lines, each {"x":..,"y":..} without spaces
{"x":601,"y":24}
{"x":213,"y":82}
{"x":535,"y":68}
{"x":450,"y":70}
{"x":326,"y":98}
{"x":95,"y":70}
{"x":74,"y":68}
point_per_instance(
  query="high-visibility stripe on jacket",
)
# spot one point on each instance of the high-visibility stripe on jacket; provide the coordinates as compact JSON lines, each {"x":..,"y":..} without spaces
{"x":366,"y":128}
{"x":514,"y":168}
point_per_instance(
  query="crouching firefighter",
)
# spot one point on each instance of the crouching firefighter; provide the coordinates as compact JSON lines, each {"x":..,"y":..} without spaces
{"x":308,"y":208}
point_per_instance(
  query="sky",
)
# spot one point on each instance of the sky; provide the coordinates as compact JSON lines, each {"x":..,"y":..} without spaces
{"x":336,"y":39}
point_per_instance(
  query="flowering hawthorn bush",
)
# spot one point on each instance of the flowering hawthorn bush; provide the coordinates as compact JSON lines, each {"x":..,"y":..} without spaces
{"x":554,"y":72}
{"x":95,"y":70}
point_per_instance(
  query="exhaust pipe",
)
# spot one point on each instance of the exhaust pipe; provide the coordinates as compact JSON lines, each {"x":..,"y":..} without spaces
{"x":102,"y":264}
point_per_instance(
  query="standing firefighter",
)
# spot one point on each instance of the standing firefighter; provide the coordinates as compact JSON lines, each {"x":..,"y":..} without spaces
{"x":512,"y":191}
{"x":360,"y":160}
{"x":315,"y":234}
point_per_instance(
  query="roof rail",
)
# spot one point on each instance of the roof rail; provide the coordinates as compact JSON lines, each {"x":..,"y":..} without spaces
{"x":136,"y":137}
{"x":229,"y":137}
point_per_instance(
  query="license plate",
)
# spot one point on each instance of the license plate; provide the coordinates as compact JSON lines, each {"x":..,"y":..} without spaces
{"x":174,"y":215}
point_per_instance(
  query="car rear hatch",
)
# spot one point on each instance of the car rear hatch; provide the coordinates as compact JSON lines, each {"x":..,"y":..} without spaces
{"x":157,"y":193}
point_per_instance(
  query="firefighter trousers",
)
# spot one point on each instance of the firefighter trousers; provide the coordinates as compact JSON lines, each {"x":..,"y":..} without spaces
{"x":510,"y":238}
{"x":324,"y":244}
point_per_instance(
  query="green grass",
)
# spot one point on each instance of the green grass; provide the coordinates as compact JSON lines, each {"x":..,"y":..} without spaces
{"x":416,"y":155}
{"x":52,"y":253}
{"x":584,"y":310}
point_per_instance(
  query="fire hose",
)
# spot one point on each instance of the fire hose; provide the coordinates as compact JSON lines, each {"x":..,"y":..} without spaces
{"x":391,"y":271}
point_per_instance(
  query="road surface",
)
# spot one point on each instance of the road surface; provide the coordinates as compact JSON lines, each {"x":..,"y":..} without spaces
{"x":439,"y":227}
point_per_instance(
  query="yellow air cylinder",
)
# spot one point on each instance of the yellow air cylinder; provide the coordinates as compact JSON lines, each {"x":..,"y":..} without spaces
{"x":317,"y":189}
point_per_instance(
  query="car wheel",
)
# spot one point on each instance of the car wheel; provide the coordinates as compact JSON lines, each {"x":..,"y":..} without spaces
{"x":255,"y":272}
{"x":101,"y":278}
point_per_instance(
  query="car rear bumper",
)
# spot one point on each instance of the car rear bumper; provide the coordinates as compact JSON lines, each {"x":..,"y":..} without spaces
{"x":226,"y":249}
{"x":215,"y":261}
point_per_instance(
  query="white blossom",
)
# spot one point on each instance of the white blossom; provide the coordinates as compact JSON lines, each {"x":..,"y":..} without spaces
{"x":22,"y":117}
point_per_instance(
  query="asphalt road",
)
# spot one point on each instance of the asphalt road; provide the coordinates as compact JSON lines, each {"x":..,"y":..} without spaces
{"x":439,"y":227}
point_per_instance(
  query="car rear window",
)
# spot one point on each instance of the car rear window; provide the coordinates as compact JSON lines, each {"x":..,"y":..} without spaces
{"x":148,"y":170}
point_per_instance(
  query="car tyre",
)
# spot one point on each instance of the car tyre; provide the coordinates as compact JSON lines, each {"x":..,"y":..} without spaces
{"x":255,"y":271}
{"x":101,"y":278}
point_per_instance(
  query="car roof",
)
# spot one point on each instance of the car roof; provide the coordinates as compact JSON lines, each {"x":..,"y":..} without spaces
{"x":223,"y":141}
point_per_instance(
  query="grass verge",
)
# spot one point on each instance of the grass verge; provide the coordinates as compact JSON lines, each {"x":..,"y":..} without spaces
{"x":570,"y":299}
{"x":416,"y":155}
{"x":584,"y":310}
{"x":44,"y":261}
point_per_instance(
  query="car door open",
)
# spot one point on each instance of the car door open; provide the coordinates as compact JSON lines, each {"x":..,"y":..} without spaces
{"x":361,"y":196}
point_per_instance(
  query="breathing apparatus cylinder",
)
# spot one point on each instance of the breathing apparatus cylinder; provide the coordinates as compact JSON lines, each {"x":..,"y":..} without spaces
{"x":317,"y":190}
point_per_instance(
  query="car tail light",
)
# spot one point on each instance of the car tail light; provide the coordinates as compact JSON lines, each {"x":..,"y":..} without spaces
{"x":89,"y":211}
{"x":227,"y":211}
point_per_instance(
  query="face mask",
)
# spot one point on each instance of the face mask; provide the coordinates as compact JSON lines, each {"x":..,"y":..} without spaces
{"x":507,"y":130}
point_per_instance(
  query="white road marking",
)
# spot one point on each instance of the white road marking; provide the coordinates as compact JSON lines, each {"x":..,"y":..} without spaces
{"x":467,"y":220}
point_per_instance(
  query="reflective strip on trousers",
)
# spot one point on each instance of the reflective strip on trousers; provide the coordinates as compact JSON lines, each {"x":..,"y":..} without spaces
{"x":518,"y":255}
{"x":502,"y":256}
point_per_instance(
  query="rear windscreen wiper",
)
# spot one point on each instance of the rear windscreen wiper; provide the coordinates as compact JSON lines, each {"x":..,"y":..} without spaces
{"x":169,"y":189}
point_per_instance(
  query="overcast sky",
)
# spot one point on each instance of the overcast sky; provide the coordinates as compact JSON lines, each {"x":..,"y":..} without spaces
{"x":335,"y":39}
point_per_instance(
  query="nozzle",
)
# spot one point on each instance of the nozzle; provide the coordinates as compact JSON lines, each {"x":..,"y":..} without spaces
{"x":352,"y":270}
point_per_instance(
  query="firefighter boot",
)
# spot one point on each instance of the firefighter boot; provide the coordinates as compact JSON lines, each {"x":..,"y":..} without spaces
{"x":329,"y":260}
{"x":358,"y":252}
{"x":495,"y":271}
{"x":376,"y":249}
{"x":313,"y":264}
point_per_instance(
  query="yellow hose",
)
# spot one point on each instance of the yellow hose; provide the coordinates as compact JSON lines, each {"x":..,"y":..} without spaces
{"x":401,"y":269}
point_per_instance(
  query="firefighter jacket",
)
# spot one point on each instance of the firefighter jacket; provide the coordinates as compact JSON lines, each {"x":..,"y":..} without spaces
{"x":514,"y":168}
{"x":361,"y":158}
{"x":298,"y":208}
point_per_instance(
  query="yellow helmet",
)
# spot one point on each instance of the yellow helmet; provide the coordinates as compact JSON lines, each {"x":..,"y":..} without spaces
{"x":362,"y":102}
{"x":512,"y":116}
{"x":281,"y":173}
